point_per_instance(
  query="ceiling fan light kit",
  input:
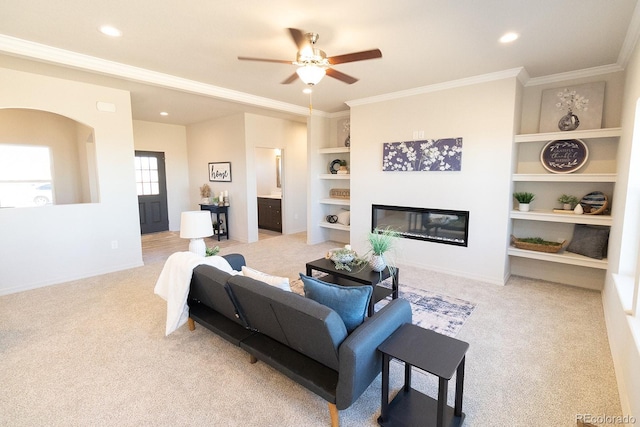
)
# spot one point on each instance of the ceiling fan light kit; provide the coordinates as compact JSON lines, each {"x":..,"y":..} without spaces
{"x":313,"y":63}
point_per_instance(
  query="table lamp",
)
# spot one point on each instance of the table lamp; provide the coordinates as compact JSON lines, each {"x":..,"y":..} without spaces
{"x":196,"y":225}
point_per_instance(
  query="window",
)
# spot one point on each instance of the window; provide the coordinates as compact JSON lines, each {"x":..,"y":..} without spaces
{"x":147,"y":181}
{"x":25,"y":176}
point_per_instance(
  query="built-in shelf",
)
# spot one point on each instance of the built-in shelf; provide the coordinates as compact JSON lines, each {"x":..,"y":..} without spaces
{"x":570,"y":218}
{"x":334,"y":150}
{"x":335,"y":226}
{"x":340,"y":202}
{"x":345,"y":176}
{"x":563,"y":258}
{"x":575,"y":134}
{"x":556,"y":177}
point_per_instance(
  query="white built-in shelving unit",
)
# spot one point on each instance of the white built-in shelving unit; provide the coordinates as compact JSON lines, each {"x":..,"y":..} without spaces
{"x":332,"y":206}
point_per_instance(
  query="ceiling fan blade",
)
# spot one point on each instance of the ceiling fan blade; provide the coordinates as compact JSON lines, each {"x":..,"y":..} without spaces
{"x":356,"y":56}
{"x":341,"y":76}
{"x":279,"y":61}
{"x":299,"y":38}
{"x":292,"y":78}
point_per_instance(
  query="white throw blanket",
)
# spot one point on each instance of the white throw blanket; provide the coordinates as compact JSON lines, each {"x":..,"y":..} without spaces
{"x":175,"y":278}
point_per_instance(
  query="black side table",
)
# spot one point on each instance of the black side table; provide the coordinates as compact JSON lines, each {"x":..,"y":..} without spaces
{"x":224,"y":210}
{"x":434,"y":353}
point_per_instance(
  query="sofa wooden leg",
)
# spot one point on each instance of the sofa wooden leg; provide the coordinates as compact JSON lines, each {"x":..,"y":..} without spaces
{"x":335,"y":418}
{"x":253,"y":359}
{"x":192,"y":324}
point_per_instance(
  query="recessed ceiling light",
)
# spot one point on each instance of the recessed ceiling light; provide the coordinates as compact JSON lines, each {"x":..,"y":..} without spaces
{"x":509,"y":37}
{"x":110,"y":31}
{"x":164,"y":113}
{"x":307,"y":90}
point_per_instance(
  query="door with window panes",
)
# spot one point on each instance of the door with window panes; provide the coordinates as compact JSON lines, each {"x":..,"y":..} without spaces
{"x":152,"y":191}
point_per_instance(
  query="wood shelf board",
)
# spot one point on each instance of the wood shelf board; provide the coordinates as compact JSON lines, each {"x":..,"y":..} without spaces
{"x":562,"y":258}
{"x":341,"y":202}
{"x":551,"y":177}
{"x":344,"y":176}
{"x":576,"y":134}
{"x":336,"y":226}
{"x":334,"y":150}
{"x":571,"y":218}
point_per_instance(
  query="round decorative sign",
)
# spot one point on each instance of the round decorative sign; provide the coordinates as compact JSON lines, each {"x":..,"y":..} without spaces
{"x":564,"y":155}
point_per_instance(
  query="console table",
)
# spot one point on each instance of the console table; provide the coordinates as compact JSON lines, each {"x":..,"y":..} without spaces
{"x":431,"y":352}
{"x":219,"y":210}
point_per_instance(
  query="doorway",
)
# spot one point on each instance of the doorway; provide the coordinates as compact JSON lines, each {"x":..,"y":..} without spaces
{"x":269,"y":179}
{"x":152,"y":191}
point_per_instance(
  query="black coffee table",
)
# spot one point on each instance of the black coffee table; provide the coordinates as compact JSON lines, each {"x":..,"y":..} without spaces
{"x":358,"y":276}
{"x":431,"y":352}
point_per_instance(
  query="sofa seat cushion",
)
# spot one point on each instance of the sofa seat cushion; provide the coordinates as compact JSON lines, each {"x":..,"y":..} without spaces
{"x":300,"y":323}
{"x":350,"y":302}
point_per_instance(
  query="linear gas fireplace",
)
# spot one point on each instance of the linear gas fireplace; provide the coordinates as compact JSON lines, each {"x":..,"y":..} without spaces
{"x":434,"y":225}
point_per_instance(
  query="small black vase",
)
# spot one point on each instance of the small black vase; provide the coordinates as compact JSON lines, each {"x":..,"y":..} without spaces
{"x":569,"y":122}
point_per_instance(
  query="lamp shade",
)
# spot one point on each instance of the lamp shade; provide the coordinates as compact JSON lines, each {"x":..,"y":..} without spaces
{"x":195,"y":224}
{"x":311,"y":74}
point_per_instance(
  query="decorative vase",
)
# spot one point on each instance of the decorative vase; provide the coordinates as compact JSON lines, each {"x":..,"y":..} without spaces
{"x":523,"y":207}
{"x":347,"y":141}
{"x":377,"y":263}
{"x":578,"y":209}
{"x":569,"y":122}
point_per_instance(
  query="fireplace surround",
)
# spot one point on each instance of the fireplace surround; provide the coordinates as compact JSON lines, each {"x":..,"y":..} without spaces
{"x":446,"y":226}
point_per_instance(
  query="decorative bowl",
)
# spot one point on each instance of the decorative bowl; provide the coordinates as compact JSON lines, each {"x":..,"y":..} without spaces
{"x":342,"y":255}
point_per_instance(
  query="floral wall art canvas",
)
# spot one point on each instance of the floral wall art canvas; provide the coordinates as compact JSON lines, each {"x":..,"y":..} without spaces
{"x":427,"y":155}
{"x":567,"y":108}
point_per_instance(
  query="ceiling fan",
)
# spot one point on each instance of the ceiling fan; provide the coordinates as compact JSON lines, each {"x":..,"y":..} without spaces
{"x":313,"y":63}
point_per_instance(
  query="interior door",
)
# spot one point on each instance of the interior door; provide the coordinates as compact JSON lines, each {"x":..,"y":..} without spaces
{"x":152,"y":191}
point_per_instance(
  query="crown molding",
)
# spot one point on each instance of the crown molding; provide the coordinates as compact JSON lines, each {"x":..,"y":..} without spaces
{"x":36,"y":51}
{"x":633,"y":35}
{"x":572,"y":75}
{"x":519,"y":73}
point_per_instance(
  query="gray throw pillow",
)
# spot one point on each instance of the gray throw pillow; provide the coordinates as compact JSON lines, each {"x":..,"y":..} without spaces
{"x":350,"y":302}
{"x":589,"y":240}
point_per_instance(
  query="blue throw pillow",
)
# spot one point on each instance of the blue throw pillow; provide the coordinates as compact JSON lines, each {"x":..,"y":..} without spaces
{"x":350,"y":302}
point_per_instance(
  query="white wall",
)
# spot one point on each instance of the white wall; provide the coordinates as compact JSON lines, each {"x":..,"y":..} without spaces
{"x":172,"y":141}
{"x":623,"y":250}
{"x":53,"y":244}
{"x":483,"y":115}
{"x":265,"y":171}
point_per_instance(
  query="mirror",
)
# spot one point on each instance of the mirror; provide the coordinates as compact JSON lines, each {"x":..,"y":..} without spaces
{"x":278,"y":171}
{"x":45,"y":159}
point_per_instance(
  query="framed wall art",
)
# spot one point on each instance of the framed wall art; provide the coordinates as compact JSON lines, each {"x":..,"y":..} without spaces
{"x":428,"y":155}
{"x":220,"y":172}
{"x":567,"y":108}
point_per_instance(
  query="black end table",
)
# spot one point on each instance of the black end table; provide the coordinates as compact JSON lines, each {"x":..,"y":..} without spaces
{"x":218,"y":210}
{"x":358,"y":276}
{"x":431,"y":352}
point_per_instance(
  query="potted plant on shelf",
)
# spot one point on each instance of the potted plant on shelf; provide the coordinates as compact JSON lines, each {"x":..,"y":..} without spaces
{"x":524,"y":199}
{"x":568,"y":202}
{"x":381,"y":241}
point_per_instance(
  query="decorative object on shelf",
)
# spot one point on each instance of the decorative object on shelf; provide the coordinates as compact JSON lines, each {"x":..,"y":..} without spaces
{"x":524,"y":199}
{"x":428,"y":155}
{"x":332,"y":219}
{"x":340,"y":193}
{"x":205,"y":193}
{"x":578,"y":209}
{"x":590,"y":241}
{"x":334,"y":166}
{"x":537,"y":244}
{"x":346,"y":128}
{"x":568,"y":202}
{"x":561,"y":107}
{"x":594,"y":203}
{"x":381,"y":241}
{"x":220,"y":172}
{"x":342,"y":170}
{"x":564,"y":155}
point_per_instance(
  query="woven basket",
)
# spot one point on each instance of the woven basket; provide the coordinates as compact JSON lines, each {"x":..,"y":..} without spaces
{"x":553,"y":248}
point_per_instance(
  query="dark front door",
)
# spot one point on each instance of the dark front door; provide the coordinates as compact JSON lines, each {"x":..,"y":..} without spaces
{"x":152,"y":191}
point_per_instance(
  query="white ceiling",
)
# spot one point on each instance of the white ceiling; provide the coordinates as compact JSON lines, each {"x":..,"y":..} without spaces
{"x":181,"y":57}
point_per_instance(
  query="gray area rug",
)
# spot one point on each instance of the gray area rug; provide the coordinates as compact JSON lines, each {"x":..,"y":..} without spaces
{"x":438,"y":312}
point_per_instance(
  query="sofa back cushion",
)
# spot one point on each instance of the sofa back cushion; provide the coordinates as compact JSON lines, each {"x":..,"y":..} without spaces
{"x":300,"y":323}
{"x":209,"y":286}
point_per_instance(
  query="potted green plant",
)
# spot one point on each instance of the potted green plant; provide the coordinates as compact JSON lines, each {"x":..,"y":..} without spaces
{"x":381,"y":241}
{"x":524,"y":199}
{"x":568,"y":202}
